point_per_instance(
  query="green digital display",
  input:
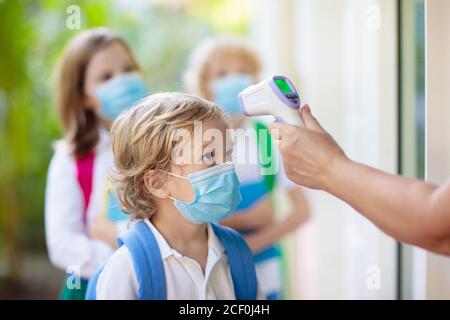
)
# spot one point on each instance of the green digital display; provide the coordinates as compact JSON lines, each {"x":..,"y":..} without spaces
{"x":283,"y":86}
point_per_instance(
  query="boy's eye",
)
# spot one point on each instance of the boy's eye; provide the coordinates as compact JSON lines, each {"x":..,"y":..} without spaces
{"x":208,"y":157}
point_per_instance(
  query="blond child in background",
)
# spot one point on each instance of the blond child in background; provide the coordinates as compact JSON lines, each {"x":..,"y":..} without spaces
{"x":218,"y":70}
{"x":98,"y":77}
{"x":176,"y":198}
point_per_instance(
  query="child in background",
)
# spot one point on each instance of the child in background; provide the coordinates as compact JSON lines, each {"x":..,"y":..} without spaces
{"x":218,"y":70}
{"x":98,"y":78}
{"x":176,"y":198}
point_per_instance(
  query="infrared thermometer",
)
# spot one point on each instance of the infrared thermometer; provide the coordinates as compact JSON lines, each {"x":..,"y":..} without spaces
{"x":275,"y":96}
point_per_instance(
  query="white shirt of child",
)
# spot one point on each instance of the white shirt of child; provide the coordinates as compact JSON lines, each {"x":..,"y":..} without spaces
{"x":69,"y":246}
{"x":184,"y":276}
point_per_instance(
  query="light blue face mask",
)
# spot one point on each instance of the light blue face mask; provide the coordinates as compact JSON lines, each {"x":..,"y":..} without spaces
{"x":120,"y":93}
{"x":226,"y":91}
{"x":217,"y":194}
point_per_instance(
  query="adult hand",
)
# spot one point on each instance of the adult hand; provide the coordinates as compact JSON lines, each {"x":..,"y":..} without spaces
{"x":310,"y":153}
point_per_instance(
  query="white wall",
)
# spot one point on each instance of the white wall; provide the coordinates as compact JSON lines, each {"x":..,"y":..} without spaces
{"x":370,"y":134}
{"x":438,"y":128}
{"x":341,"y":54}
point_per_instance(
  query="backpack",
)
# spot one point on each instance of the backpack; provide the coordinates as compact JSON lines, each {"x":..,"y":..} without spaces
{"x":149,"y":267}
{"x":84,"y":172}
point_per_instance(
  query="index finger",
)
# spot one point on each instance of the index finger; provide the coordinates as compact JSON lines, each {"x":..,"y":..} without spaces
{"x":279,"y":130}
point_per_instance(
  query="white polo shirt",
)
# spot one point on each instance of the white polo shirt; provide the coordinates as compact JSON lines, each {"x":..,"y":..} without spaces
{"x":184,"y":276}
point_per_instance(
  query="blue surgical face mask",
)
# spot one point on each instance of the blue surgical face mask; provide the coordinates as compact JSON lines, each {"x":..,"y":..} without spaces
{"x":217,"y":194}
{"x":120,"y":93}
{"x":226,"y":91}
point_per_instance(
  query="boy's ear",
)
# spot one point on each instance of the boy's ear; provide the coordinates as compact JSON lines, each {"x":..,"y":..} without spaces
{"x":155,"y":183}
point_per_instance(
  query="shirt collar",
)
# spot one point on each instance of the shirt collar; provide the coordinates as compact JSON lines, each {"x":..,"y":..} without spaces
{"x":104,"y":143}
{"x":165,"y":249}
{"x":214,"y":245}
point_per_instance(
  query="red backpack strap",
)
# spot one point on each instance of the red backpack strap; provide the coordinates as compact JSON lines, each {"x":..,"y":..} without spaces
{"x":85,"y":169}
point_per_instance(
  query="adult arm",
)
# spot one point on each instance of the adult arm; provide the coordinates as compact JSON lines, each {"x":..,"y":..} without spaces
{"x":409,"y":210}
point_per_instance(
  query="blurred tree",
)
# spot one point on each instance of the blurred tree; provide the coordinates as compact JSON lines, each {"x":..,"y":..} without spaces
{"x":15,"y":134}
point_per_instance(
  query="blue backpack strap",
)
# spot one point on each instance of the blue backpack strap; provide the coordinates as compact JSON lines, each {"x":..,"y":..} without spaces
{"x":91,"y":290}
{"x":147,"y":261}
{"x":240,"y":259}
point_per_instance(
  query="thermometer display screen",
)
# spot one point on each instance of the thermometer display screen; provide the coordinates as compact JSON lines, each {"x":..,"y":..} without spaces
{"x":283,"y":86}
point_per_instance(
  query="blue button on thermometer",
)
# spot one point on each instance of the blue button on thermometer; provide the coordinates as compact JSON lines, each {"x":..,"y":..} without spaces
{"x":275,"y":96}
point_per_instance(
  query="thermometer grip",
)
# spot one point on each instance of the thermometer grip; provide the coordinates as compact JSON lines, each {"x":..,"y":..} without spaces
{"x":290,"y":116}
